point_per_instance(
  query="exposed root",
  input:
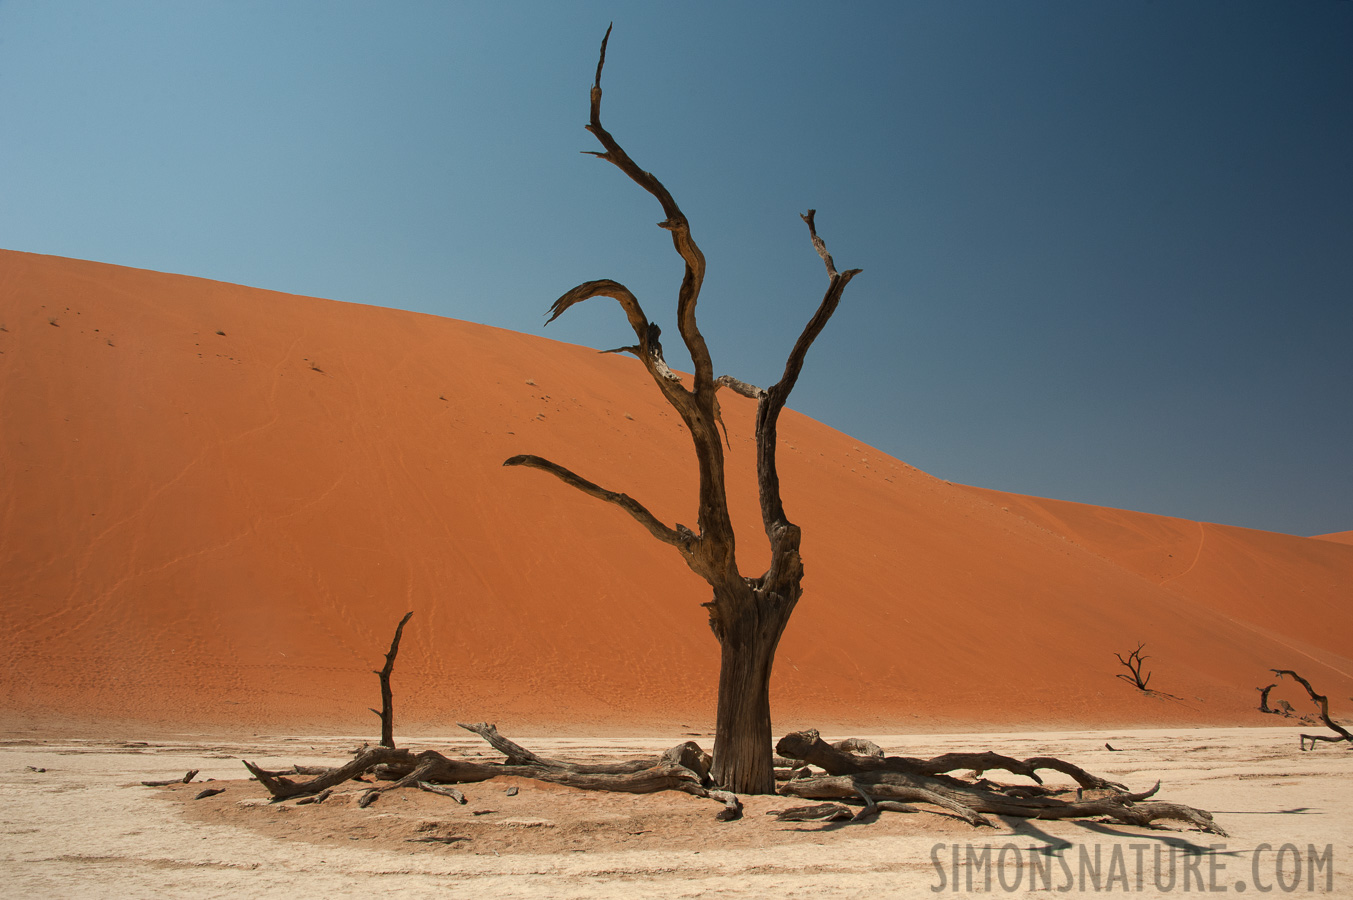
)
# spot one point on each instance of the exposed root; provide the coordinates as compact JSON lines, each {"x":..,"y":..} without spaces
{"x":905,"y":780}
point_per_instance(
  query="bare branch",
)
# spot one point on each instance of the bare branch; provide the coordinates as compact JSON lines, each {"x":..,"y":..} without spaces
{"x":675,"y":222}
{"x":682,"y":539}
{"x":768,"y":412}
{"x":605,"y":287}
{"x":1324,"y":703}
{"x":750,"y":391}
{"x":818,"y":243}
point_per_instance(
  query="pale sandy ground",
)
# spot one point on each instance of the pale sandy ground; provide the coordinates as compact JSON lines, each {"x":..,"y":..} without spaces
{"x":86,"y":828}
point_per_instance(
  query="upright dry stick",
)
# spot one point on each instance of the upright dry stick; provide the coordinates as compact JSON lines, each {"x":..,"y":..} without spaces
{"x":387,"y":712}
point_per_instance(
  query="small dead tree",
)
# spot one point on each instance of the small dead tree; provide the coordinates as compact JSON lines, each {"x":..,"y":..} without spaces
{"x":747,"y":614}
{"x":1134,"y":665}
{"x":1340,"y":732}
{"x":387,"y":710}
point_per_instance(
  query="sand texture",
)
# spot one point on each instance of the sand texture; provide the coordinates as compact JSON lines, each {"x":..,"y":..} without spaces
{"x":218,"y":501}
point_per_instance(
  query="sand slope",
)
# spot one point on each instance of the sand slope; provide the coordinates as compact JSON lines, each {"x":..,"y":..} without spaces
{"x":219,"y":500}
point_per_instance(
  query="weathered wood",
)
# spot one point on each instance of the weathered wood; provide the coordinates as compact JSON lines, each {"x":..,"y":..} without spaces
{"x":690,"y":756}
{"x":819,"y":812}
{"x":443,"y":791}
{"x":209,"y":792}
{"x":435,"y":839}
{"x":970,"y":802}
{"x":809,"y":747}
{"x":747,"y":615}
{"x":1323,"y":702}
{"x":519,"y":755}
{"x":283,"y":788}
{"x":515,"y":753}
{"x":192,"y":773}
{"x":859,"y":747}
{"x":315,"y":798}
{"x":875,"y":778}
{"x":433,"y":767}
{"x":387,"y":712}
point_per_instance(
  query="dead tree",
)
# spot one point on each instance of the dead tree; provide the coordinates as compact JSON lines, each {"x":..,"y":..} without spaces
{"x":1134,"y":665}
{"x":387,"y":711}
{"x":747,"y":615}
{"x":1340,"y":733}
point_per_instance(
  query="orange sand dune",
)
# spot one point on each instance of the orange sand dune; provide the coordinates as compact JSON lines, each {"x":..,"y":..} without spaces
{"x":1342,"y":537}
{"x":219,"y":500}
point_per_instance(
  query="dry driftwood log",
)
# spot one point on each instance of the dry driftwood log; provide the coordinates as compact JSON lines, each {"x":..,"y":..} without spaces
{"x":1320,"y":700}
{"x":897,"y":778}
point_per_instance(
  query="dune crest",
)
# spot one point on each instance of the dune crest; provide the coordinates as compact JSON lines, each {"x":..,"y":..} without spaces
{"x":220,"y":500}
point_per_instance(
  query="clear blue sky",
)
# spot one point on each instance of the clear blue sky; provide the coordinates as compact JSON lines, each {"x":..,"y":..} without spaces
{"x":1107,"y":246}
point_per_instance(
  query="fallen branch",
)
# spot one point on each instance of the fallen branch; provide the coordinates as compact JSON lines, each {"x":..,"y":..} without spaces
{"x":683,"y":768}
{"x":808,"y":747}
{"x":890,"y":778}
{"x":1340,"y":733}
{"x":184,"y":780}
{"x":443,"y":791}
{"x":820,"y":812}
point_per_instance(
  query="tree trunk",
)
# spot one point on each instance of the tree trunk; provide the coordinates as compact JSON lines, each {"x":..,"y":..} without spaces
{"x":743,"y":760}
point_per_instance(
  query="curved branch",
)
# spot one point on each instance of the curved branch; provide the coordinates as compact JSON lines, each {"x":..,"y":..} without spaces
{"x":648,"y":350}
{"x":605,"y":287}
{"x":679,"y":537}
{"x":1324,"y":703}
{"x":768,"y":411}
{"x":675,"y":223}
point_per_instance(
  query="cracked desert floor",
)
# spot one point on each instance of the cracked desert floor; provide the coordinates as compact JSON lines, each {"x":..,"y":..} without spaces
{"x":78,"y":823}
